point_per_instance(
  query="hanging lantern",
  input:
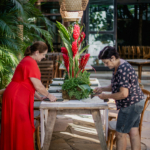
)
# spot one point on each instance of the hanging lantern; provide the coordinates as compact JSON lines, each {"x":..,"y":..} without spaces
{"x":84,"y":4}
{"x":71,"y":20}
{"x":71,"y":15}
{"x":71,"y":5}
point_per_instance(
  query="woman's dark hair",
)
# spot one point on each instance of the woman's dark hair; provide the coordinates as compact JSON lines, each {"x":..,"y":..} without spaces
{"x":38,"y":45}
{"x":107,"y":52}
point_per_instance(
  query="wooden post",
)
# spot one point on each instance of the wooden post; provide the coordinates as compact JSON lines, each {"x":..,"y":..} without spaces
{"x":38,"y":4}
{"x":49,"y":129}
{"x":139,"y":72}
{"x":140,"y":24}
{"x":98,"y":124}
{"x":20,"y":35}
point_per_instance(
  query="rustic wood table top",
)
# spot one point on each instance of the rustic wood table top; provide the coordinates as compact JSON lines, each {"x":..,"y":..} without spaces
{"x":138,"y":61}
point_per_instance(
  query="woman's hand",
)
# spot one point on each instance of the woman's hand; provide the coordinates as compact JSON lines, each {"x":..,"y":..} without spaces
{"x":98,"y":90}
{"x":43,"y":97}
{"x":51,"y":97}
{"x":102,"y":96}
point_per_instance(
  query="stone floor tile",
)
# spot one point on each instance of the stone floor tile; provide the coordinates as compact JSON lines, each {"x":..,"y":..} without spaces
{"x":147,"y":142}
{"x":146,"y":130}
{"x":61,"y":124}
{"x":84,"y":146}
{"x":59,"y":144}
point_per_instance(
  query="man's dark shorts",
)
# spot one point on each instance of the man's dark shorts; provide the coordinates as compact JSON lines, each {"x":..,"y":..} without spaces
{"x":129,"y":117}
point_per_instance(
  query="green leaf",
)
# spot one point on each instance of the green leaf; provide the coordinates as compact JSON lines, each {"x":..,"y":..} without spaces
{"x":85,"y":87}
{"x":67,"y":44}
{"x":64,"y":31}
{"x":86,"y":47}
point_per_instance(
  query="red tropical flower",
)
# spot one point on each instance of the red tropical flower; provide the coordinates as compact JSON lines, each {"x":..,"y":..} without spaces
{"x":82,"y":37}
{"x":64,"y":50}
{"x":66,"y":61}
{"x":76,"y":32}
{"x":83,"y":61}
{"x":74,"y":48}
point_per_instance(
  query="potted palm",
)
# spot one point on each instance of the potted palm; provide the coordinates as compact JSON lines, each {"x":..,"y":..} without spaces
{"x":77,"y":83}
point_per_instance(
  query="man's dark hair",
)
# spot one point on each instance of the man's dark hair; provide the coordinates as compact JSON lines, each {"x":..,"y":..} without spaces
{"x":107,"y":52}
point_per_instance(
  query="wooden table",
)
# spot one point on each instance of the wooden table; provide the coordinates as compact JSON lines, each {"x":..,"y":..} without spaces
{"x":49,"y":111}
{"x":140,"y":63}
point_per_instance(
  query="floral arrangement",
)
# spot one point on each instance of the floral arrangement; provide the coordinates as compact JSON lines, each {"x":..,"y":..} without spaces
{"x":77,"y":81}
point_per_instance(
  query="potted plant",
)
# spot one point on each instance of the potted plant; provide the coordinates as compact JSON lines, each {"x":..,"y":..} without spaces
{"x":77,"y":83}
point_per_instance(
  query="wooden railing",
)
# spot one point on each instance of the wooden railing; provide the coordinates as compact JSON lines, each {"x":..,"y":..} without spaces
{"x":134,"y":52}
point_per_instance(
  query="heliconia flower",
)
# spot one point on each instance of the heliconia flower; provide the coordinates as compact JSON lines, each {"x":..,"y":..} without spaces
{"x":66,"y":61}
{"x":64,"y":50}
{"x":74,"y":48}
{"x":83,"y":61}
{"x":76,"y":32}
{"x":82,"y":37}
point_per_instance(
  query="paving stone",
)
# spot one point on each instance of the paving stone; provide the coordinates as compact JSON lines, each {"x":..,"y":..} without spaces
{"x":83,"y":144}
{"x":61,"y":124}
{"x":63,"y":135}
{"x":146,"y":130}
{"x":59,"y":144}
{"x":80,"y":146}
{"x":85,"y":131}
{"x":147,"y":142}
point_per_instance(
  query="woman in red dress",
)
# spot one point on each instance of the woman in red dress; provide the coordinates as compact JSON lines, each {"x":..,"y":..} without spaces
{"x":17,"y":124}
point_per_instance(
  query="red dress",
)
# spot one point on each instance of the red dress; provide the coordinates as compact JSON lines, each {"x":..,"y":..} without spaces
{"x":17,"y":124}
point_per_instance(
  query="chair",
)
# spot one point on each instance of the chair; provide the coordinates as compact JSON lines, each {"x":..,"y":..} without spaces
{"x":125,"y":50}
{"x":46,"y":68}
{"x":112,"y":114}
{"x":36,"y":123}
{"x":112,"y":124}
{"x":37,"y":143}
{"x":139,"y":51}
{"x":146,"y":53}
{"x":133,"y":52}
{"x":120,"y":52}
{"x":57,"y":58}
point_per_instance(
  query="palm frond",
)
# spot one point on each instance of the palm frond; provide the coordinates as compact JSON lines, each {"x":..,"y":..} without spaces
{"x":18,"y":5}
{"x":7,"y":57}
{"x":43,"y":32}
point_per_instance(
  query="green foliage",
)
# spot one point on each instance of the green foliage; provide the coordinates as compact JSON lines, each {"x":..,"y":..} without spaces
{"x":67,"y":38}
{"x":78,"y":87}
{"x":76,"y":80}
{"x":8,"y":60}
{"x":12,"y":14}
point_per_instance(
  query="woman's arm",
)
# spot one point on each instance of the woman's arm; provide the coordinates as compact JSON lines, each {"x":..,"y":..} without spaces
{"x":107,"y":88}
{"x":37,"y":96}
{"x":102,"y":89}
{"x":41,"y":89}
{"x":122,"y":94}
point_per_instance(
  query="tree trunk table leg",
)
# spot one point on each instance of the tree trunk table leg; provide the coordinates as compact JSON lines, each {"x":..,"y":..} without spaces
{"x":42,"y":126}
{"x":98,"y":124}
{"x":49,"y":129}
{"x":139,"y":72}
